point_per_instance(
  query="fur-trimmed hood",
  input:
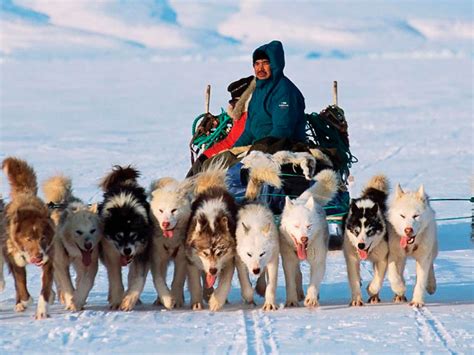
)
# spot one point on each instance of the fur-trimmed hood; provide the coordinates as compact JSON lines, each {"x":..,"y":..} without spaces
{"x":242,"y":104}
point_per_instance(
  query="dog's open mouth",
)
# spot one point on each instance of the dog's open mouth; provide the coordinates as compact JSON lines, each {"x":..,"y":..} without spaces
{"x":125,"y":260}
{"x":300,"y":249}
{"x":168,"y":233}
{"x":405,"y":240}
{"x":38,"y":262}
{"x":210,"y":280}
{"x":86,"y":256}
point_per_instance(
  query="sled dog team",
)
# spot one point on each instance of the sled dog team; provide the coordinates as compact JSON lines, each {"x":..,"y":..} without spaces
{"x":197,"y":224}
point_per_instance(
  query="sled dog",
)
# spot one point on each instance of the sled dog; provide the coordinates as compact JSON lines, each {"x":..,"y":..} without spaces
{"x":171,"y":206}
{"x":29,"y":235}
{"x":366,"y":238}
{"x":128,"y":231}
{"x":210,"y":240}
{"x":78,"y":233}
{"x":258,"y":251}
{"x":414,"y":235}
{"x":2,"y":243}
{"x":305,"y":236}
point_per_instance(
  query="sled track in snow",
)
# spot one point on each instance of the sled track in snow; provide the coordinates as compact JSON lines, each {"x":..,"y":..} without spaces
{"x":428,"y":324}
{"x":259,"y":333}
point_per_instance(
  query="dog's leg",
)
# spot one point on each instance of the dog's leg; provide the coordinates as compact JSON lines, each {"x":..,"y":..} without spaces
{"x":195,"y":288}
{"x":318,"y":268}
{"x":46,"y":289}
{"x":290,"y":267}
{"x":261,"y":285}
{"x":246,"y":289}
{"x":431,"y":286}
{"x":23,"y":298}
{"x":114,"y":273}
{"x":299,"y":283}
{"x":2,"y":278}
{"x":423,"y":266}
{"x":396,"y":266}
{"x":63,"y":277}
{"x":158,"y":272}
{"x":353,"y":274}
{"x":270,"y":292}
{"x":380,"y":267}
{"x":219,"y":296}
{"x":85,"y":283}
{"x":136,"y":282}
{"x":179,"y":277}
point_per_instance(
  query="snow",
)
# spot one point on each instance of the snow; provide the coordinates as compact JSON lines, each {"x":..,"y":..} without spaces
{"x":79,"y":95}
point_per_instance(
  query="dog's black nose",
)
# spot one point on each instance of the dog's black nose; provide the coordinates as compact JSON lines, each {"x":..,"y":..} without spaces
{"x":88,"y":245}
{"x":256,"y":271}
{"x":127,"y":251}
{"x":213,"y":271}
{"x":361,"y":246}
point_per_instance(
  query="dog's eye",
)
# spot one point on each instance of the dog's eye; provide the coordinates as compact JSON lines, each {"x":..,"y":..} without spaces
{"x":78,"y":232}
{"x":92,"y":231}
{"x":173,"y":210}
{"x":250,"y":255}
{"x":309,"y":226}
{"x":297,"y":225}
{"x":370,"y":232}
{"x":218,"y":253}
{"x":402,"y":216}
{"x":205,"y":253}
{"x":161,"y":211}
{"x":416,"y":216}
{"x":262,"y":254}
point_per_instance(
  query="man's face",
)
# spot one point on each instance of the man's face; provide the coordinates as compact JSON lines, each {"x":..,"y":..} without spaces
{"x":262,"y":69}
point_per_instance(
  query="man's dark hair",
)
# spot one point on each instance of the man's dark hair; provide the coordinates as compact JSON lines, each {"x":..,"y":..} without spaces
{"x":258,"y":55}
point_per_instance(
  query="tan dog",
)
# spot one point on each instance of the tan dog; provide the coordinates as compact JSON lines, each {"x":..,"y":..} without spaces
{"x":29,"y":235}
{"x":2,"y":243}
{"x":76,"y":242}
{"x":171,"y":206}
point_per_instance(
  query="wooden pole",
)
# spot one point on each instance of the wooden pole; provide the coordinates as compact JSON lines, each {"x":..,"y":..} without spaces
{"x":208,"y":98}
{"x":334,"y":92}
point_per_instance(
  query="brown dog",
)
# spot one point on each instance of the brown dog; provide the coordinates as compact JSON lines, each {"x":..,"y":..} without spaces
{"x":29,"y":235}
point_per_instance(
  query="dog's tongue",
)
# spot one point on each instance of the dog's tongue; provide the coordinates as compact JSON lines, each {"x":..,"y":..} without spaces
{"x":123,"y":260}
{"x":363,"y":254}
{"x":86,"y":257}
{"x":210,"y":280}
{"x":36,"y":261}
{"x":404,"y":241}
{"x":168,"y":233}
{"x":301,"y":251}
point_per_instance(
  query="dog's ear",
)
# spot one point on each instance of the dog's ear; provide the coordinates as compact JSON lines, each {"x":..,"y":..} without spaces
{"x":94,"y":208}
{"x":224,"y":222}
{"x":398,"y":191}
{"x":420,"y":194}
{"x":310,"y":203}
{"x":288,"y":202}
{"x":246,"y":229}
{"x":63,"y":217}
{"x":266,"y":229}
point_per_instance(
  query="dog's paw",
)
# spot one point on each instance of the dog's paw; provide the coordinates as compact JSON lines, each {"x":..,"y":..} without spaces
{"x":291,"y":303}
{"x":168,"y":302}
{"x":22,"y":305}
{"x":128,"y":303}
{"x":374,"y":299}
{"x":250,"y":303}
{"x":311,"y":302}
{"x":399,"y":299}
{"x":41,"y":315}
{"x":71,"y":307}
{"x":178,"y":299}
{"x":157,"y":302}
{"x":215,"y":304}
{"x":301,"y":296}
{"x":196,"y":306}
{"x":417,"y":304}
{"x":356,"y":302}
{"x":269,"y":306}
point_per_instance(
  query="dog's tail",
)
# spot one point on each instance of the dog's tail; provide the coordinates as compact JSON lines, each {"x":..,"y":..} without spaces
{"x":377,"y":189}
{"x":213,"y":176}
{"x":262,"y":169}
{"x":325,"y":187}
{"x":120,"y":176}
{"x":58,"y":189}
{"x":21,"y":176}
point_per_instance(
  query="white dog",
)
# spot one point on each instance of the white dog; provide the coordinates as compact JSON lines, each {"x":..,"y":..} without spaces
{"x":257,"y":253}
{"x":171,"y":206}
{"x":414,"y":235}
{"x":76,"y":241}
{"x":305,"y":236}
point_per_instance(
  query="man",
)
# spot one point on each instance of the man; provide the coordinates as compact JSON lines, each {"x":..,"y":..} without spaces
{"x":277,"y":106}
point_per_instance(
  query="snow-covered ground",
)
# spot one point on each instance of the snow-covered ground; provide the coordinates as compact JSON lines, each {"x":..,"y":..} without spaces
{"x":86,"y":85}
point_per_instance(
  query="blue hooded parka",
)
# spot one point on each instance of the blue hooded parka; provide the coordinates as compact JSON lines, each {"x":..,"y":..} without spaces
{"x":277,"y":106}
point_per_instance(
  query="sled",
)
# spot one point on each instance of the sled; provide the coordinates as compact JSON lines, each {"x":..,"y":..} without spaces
{"x":327,"y":131}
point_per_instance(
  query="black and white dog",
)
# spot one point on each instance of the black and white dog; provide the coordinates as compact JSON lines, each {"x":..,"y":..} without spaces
{"x":128,"y":231}
{"x":366,"y":238}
